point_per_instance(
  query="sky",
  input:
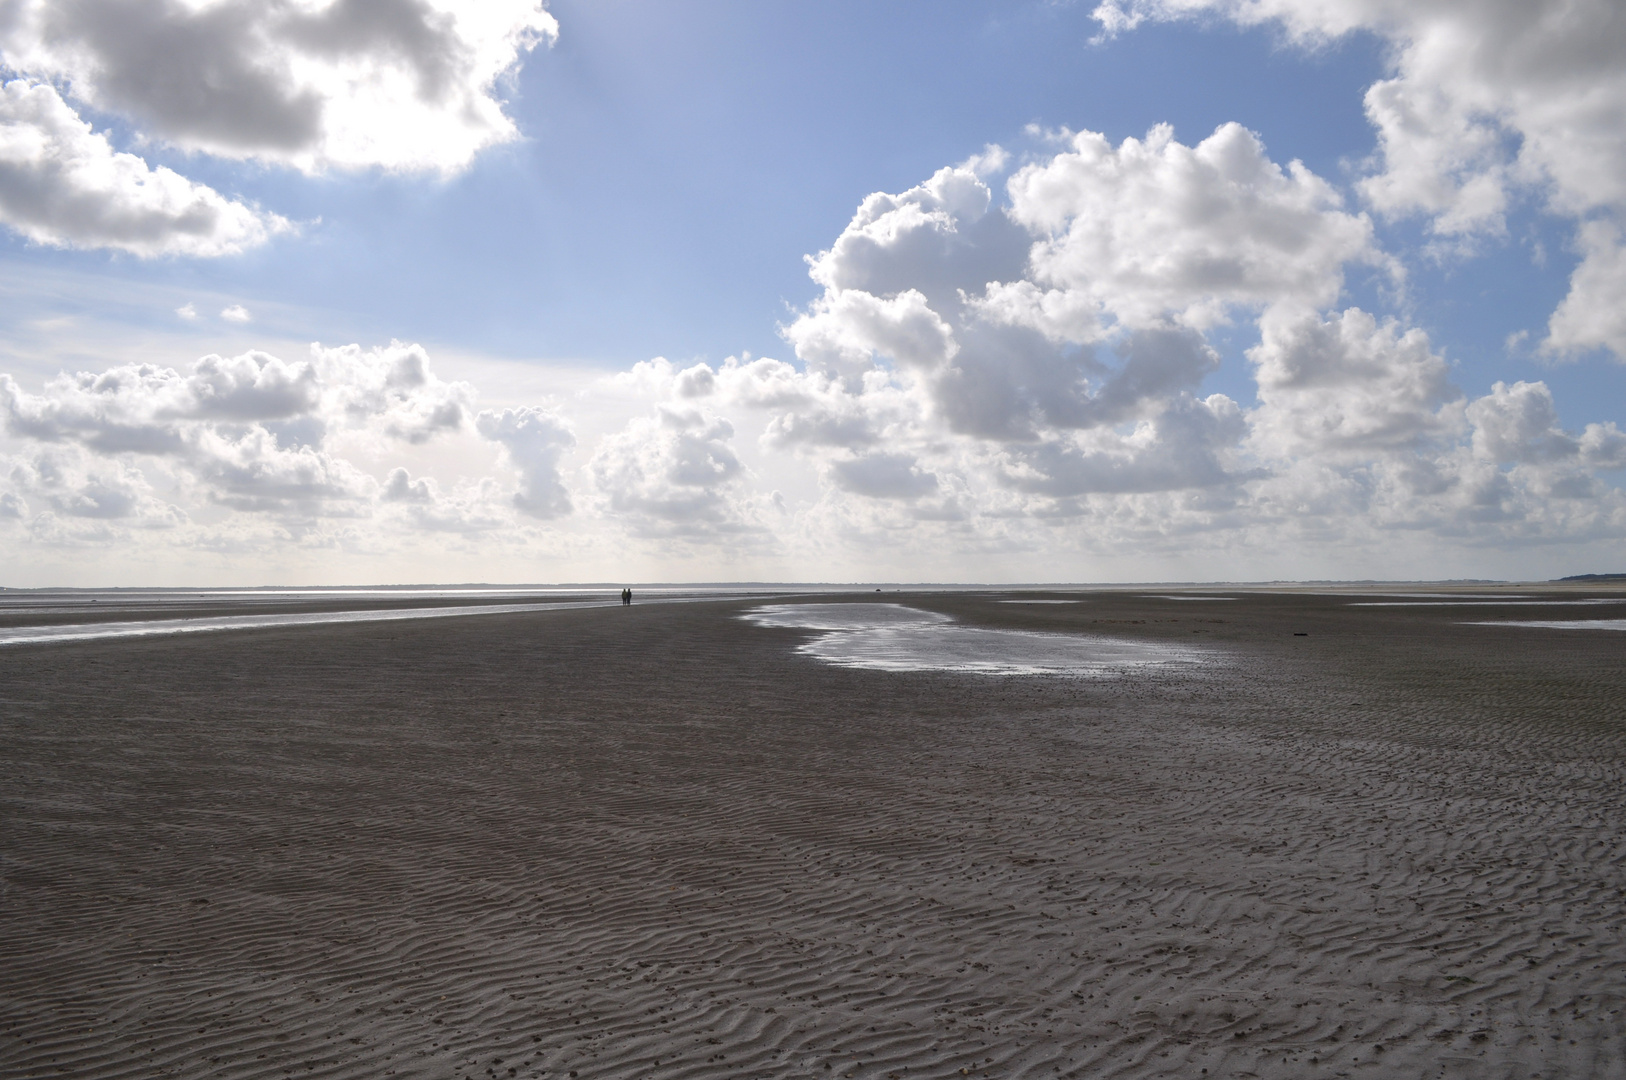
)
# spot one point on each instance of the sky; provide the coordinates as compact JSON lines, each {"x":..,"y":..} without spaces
{"x":384,"y":291}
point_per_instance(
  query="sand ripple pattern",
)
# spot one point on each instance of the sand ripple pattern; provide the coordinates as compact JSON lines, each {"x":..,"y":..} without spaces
{"x":664,"y":844}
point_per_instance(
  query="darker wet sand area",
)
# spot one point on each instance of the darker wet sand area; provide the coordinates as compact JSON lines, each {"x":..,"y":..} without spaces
{"x":659,"y":841}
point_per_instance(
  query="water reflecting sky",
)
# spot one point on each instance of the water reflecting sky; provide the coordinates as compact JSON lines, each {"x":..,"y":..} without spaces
{"x":1559,"y":624}
{"x":39,"y":635}
{"x":891,"y":637}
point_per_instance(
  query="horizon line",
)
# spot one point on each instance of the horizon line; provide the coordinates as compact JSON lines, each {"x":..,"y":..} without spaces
{"x":1006,"y":585}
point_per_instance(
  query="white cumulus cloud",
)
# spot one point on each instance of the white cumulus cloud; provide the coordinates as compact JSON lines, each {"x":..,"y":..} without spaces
{"x":252,"y":431}
{"x":63,"y":185}
{"x":534,"y":440}
{"x":1049,"y":346}
{"x":397,"y":84}
{"x":1346,"y":384}
{"x":1483,"y":102}
{"x":401,"y":85}
{"x":673,"y":472}
{"x":1153,"y":229}
{"x":1594,"y":312}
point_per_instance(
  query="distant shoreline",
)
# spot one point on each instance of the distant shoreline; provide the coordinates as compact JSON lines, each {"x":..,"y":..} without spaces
{"x":497,"y":588}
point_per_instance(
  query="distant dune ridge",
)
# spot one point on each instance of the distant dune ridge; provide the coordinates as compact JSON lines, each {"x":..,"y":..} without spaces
{"x":659,"y":841}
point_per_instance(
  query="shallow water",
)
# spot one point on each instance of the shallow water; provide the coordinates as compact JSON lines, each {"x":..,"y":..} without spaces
{"x":1478,"y":602}
{"x":843,"y":616}
{"x":42,"y":616}
{"x":891,"y":637}
{"x":1559,"y":624}
{"x":41,"y":635}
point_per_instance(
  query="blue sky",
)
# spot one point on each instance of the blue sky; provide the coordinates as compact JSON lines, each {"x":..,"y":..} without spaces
{"x":680,"y":158}
{"x":668,"y":168}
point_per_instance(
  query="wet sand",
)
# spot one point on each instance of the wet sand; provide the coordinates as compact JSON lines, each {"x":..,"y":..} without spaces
{"x":659,"y":842}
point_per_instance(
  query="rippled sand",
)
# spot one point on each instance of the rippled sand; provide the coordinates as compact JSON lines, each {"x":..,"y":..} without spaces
{"x":661,"y":842}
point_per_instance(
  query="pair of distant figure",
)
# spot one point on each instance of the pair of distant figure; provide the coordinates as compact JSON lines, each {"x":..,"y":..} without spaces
{"x":626,"y":597}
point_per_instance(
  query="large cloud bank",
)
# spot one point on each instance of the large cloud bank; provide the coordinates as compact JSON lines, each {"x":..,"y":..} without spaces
{"x":1003,"y":372}
{"x":1005,"y":361}
{"x":406,"y":85}
{"x":256,"y":443}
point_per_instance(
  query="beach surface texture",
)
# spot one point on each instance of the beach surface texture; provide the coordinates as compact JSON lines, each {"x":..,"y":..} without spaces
{"x":1263,"y":833}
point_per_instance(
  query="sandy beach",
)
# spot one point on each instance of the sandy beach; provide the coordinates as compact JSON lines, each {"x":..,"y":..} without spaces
{"x":660,"y":841}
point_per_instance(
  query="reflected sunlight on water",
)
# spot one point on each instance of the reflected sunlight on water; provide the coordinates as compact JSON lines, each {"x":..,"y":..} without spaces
{"x":31,"y":635}
{"x":891,"y":637}
{"x":1560,"y":624}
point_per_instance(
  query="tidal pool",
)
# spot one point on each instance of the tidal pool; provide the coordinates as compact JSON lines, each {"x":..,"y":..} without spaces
{"x":892,"y":637}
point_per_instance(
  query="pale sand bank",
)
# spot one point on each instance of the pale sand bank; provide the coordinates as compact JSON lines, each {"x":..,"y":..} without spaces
{"x":659,"y":841}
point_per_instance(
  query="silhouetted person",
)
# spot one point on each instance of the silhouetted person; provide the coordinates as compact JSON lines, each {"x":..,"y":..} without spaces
{"x":629,"y":596}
